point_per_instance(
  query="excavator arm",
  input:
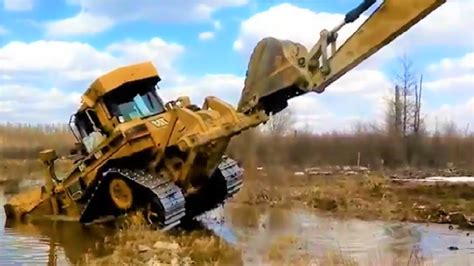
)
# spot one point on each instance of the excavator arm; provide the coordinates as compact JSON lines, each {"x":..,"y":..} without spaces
{"x":280,"y":69}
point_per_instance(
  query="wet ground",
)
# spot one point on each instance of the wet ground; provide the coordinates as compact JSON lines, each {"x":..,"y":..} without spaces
{"x":260,"y":232}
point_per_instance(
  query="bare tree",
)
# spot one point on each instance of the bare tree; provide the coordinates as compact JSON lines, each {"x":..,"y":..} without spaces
{"x":394,"y":113}
{"x":404,"y":112}
{"x":398,"y":110}
{"x":417,"y":112}
{"x":406,"y":81}
{"x":404,"y":117}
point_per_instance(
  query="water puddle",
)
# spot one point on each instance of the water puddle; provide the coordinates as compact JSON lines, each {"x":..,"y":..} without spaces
{"x":260,"y":232}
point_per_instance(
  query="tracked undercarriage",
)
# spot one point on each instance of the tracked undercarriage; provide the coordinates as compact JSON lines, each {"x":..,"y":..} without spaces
{"x":158,"y":198}
{"x":128,"y":190}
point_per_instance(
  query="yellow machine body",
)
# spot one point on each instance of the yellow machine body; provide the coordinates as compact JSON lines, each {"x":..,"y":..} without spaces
{"x":138,"y":153}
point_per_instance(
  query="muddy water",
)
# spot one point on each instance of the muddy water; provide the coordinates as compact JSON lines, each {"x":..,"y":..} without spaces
{"x":367,"y":243}
{"x":259,"y":232}
{"x":52,"y":243}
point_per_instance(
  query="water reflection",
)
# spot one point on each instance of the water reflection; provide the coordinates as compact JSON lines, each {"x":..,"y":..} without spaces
{"x":55,"y":242}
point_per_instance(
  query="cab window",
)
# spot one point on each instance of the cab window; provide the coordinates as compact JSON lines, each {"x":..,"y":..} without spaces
{"x":134,"y":101}
{"x":85,"y":126}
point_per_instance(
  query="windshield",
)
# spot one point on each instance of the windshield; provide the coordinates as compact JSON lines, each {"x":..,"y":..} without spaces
{"x":135,"y":106}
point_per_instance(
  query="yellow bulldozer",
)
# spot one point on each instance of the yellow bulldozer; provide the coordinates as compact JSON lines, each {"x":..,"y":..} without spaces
{"x":167,"y":160}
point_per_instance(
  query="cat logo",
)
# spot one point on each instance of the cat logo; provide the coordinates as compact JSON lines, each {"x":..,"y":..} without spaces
{"x":160,"y":122}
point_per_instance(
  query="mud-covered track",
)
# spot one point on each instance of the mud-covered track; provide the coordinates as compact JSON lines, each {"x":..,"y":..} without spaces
{"x":161,"y":194}
{"x":224,"y":183}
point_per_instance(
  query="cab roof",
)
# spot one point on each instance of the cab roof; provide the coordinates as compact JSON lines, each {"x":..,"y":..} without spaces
{"x":116,"y":78}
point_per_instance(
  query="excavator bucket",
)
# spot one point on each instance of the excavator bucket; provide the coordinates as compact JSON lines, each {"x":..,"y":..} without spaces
{"x":279,"y":70}
{"x":271,"y":75}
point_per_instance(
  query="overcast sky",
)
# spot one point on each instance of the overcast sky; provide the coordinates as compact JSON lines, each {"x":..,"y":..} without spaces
{"x":51,"y":50}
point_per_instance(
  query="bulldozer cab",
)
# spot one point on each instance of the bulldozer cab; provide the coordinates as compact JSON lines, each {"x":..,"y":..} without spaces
{"x":122,"y":95}
{"x":134,"y":100}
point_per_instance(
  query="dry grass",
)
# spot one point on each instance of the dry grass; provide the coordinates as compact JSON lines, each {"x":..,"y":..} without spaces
{"x":23,"y":141}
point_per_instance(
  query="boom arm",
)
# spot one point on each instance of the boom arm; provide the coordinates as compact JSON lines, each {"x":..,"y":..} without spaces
{"x":280,"y":69}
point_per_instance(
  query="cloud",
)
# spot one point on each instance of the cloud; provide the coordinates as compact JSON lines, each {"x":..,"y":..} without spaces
{"x":206,"y":36}
{"x":224,"y":86}
{"x":452,"y":74}
{"x":462,"y":114}
{"x":288,"y":21}
{"x":98,"y":16}
{"x":437,"y":28}
{"x":81,"y":61}
{"x":23,"y":103}
{"x":18,"y":5}
{"x":162,"y":53}
{"x":453,"y":66}
{"x":464,"y":82}
{"x":40,"y":60}
{"x":359,"y":96}
{"x":82,"y":23}
{"x":209,"y":35}
{"x":364,"y":82}
{"x":34,"y":75}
